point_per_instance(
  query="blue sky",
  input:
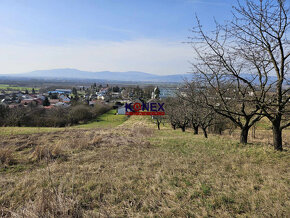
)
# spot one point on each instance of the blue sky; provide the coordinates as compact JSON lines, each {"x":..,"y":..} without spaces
{"x":95,"y":35}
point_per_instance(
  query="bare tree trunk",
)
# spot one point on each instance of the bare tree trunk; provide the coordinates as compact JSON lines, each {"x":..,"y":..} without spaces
{"x":254,"y":132}
{"x":277,"y":135}
{"x":195,"y":128}
{"x":173,"y":126}
{"x":158,"y":125}
{"x":204,"y":132}
{"x":183,"y":128}
{"x":244,"y":135}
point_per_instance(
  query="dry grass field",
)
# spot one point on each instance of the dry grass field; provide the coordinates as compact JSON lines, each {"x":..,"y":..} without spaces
{"x":134,"y":170}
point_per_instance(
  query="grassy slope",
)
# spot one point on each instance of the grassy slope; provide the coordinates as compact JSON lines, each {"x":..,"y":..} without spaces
{"x":108,"y":119}
{"x":115,"y":172}
{"x":224,"y":178}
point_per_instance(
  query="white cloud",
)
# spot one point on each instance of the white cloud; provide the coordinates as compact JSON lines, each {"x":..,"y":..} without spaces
{"x":152,"y":56}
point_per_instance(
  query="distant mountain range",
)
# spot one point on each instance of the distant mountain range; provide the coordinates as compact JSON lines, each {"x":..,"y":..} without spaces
{"x":74,"y":74}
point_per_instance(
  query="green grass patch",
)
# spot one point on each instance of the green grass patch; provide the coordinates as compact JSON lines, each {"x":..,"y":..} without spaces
{"x":109,"y":119}
{"x":16,"y":88}
{"x":264,"y":124}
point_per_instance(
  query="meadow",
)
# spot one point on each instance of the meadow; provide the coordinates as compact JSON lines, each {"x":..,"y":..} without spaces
{"x":7,"y":87}
{"x":134,"y":170}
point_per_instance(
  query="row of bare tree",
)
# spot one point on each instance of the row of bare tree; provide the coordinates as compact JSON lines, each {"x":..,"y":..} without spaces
{"x":242,"y":67}
{"x":241,"y":73}
{"x":189,"y":110}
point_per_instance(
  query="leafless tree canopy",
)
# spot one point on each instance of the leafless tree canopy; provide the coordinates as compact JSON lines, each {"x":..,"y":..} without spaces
{"x":244,"y":65}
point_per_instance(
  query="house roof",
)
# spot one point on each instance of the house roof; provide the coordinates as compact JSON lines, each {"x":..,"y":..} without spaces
{"x":53,"y":101}
{"x":48,"y":107}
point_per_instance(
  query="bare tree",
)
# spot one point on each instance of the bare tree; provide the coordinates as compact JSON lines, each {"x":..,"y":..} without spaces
{"x":221,"y":124}
{"x":262,"y":31}
{"x":207,"y":119}
{"x":214,"y":93}
{"x":178,"y":113}
{"x":194,"y":116}
{"x":200,"y":115}
{"x":171,"y":112}
{"x":238,"y":60}
{"x":15,"y":117}
{"x":158,"y":120}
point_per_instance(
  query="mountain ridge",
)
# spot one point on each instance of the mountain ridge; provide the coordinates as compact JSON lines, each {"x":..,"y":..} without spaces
{"x":70,"y":73}
{"x":127,"y":76}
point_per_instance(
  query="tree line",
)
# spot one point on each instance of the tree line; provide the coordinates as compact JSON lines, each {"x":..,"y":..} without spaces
{"x":240,"y":73}
{"x":55,"y":117}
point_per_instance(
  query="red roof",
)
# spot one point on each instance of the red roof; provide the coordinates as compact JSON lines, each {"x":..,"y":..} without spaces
{"x":48,"y":107}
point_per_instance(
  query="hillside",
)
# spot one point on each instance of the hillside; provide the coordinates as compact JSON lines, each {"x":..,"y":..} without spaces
{"x":134,"y":170}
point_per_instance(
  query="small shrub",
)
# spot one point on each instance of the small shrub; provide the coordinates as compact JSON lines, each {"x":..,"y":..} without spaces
{"x":96,"y":140}
{"x":80,"y":113}
{"x":6,"y":156}
{"x":47,"y":152}
{"x":79,"y":143}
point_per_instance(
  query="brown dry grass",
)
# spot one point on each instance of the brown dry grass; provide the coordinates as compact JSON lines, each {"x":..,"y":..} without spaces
{"x":261,"y":136}
{"x":6,"y":156}
{"x":136,"y":171}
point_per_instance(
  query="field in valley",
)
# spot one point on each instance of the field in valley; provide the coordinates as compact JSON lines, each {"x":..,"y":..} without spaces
{"x":7,"y":87}
{"x":130,"y":169}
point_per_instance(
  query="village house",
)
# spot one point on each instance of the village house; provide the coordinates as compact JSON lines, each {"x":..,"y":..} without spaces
{"x":103,"y":91}
{"x":15,"y":105}
{"x":61,"y":91}
{"x":102,"y":97}
{"x":92,"y":103}
{"x":64,"y":91}
{"x":121,"y":110}
{"x":64,"y":98}
{"x":2,"y":96}
{"x":116,"y":94}
{"x":33,"y":102}
{"x":48,"y":107}
{"x":53,"y":101}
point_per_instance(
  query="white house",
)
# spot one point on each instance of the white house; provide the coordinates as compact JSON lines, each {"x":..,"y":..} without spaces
{"x":102,"y":97}
{"x":121,"y":110}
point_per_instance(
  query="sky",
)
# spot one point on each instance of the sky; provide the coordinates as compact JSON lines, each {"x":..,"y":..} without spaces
{"x":102,"y":35}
